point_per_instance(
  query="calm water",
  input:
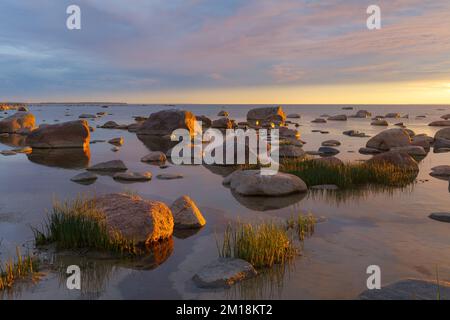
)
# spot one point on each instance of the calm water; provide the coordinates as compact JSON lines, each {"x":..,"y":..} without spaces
{"x":387,"y":228}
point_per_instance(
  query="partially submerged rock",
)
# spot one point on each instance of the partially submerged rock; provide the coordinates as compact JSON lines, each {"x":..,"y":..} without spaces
{"x":399,"y":159}
{"x":109,"y":166}
{"x":116,"y":141}
{"x":411,"y":150}
{"x":266,"y":115}
{"x":223,"y":273}
{"x":186,"y":214}
{"x":73,"y":134}
{"x":331,"y":143}
{"x":379,"y":123}
{"x":440,"y":171}
{"x":369,"y":151}
{"x":163,"y":123}
{"x":294,"y":116}
{"x":441,"y":216}
{"x":328,"y":151}
{"x":169,"y":176}
{"x":20,"y":122}
{"x":133,"y":176}
{"x":144,"y":221}
{"x":390,"y":138}
{"x":340,"y":117}
{"x":252,"y":183}
{"x":84,"y":177}
{"x":154,"y":156}
{"x":440,"y":123}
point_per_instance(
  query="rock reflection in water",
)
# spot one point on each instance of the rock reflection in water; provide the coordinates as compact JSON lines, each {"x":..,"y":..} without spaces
{"x":98,"y":268}
{"x":261,"y":203}
{"x":76,"y":158}
{"x":13,"y":140}
{"x":157,"y":143}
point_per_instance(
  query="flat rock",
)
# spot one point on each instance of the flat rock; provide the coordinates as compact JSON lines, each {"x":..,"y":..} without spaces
{"x":409,"y":289}
{"x":186,"y":214}
{"x":379,"y":123}
{"x":154,"y":156}
{"x":440,"y":216}
{"x":133,"y":176}
{"x":440,"y":123}
{"x":441,"y":171}
{"x":223,"y":273}
{"x":341,"y":117}
{"x":369,"y":151}
{"x":331,"y":143}
{"x":252,"y":183}
{"x":84,"y":177}
{"x":109,"y":166}
{"x":168,"y":176}
{"x":319,"y":120}
{"x":411,"y":150}
{"x":294,"y":116}
{"x":328,"y":151}
{"x":8,"y":153}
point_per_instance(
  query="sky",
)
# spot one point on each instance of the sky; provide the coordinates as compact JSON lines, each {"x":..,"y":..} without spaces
{"x":226,"y":51}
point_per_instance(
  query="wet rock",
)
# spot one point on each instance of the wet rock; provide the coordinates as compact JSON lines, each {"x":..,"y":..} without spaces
{"x":400,"y":159}
{"x":223,"y":114}
{"x":390,"y":138}
{"x":110,"y":125}
{"x":440,"y":123}
{"x":134,"y":127}
{"x":331,"y":143}
{"x":20,"y":122}
{"x":355,"y":133}
{"x":440,"y":171}
{"x":73,"y":134}
{"x":409,"y":289}
{"x":186,"y":215}
{"x":133,"y":176}
{"x":8,"y":153}
{"x":363,"y":114}
{"x":341,"y":117}
{"x":440,"y":145}
{"x":446,"y":116}
{"x":109,"y":166}
{"x":328,"y":151}
{"x":443,"y":134}
{"x":223,"y":273}
{"x":379,"y":123}
{"x":440,"y":216}
{"x":252,"y":183}
{"x":154,"y":156}
{"x":206,"y":122}
{"x":84,"y":177}
{"x":163,"y":123}
{"x":291,"y":151}
{"x":116,"y":141}
{"x":319,"y":120}
{"x":143,"y":221}
{"x":289,"y":133}
{"x":87,"y":116}
{"x":169,"y":176}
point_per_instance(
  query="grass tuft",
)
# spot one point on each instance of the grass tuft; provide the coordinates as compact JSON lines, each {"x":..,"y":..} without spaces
{"x":350,"y":175}
{"x":24,"y":268}
{"x":80,"y":224}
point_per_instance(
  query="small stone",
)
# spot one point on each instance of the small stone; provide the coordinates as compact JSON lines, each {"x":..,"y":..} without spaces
{"x":133,"y":176}
{"x":440,"y":216}
{"x":84,"y":177}
{"x":331,"y":143}
{"x":116,"y":141}
{"x":155,"y":156}
{"x":168,"y":176}
{"x":109,"y":166}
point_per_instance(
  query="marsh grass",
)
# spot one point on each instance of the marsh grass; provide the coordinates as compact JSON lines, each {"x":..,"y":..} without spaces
{"x":25,"y":267}
{"x":350,"y":175}
{"x":79,"y":224}
{"x":266,"y":244}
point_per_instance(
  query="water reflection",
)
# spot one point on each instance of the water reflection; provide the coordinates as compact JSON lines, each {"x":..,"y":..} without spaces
{"x":76,"y":158}
{"x":13,"y":140}
{"x":156,"y":143}
{"x":261,"y":203}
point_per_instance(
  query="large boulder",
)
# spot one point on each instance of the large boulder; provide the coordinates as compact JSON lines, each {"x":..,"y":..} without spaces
{"x":443,"y":134}
{"x":186,"y":215}
{"x":252,"y":183}
{"x":20,"y":122}
{"x":74,"y":134}
{"x":143,"y":221}
{"x":399,"y":159}
{"x":390,"y":138}
{"x":163,"y":123}
{"x":266,"y":115}
{"x":411,"y":150}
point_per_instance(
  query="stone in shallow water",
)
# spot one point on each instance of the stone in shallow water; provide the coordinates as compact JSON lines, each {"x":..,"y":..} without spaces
{"x":116,"y":141}
{"x":440,"y":171}
{"x":331,"y":143}
{"x":133,"y":176}
{"x":223,"y":273}
{"x":8,"y":153}
{"x":84,"y":177}
{"x":186,"y":214}
{"x":155,"y":156}
{"x":325,"y":187}
{"x":440,"y":216}
{"x":328,"y":150}
{"x":168,"y":176}
{"x":410,"y":289}
{"x":369,"y":151}
{"x":109,"y":166}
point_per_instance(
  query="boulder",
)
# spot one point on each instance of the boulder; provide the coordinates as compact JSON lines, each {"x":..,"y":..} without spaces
{"x":390,"y":138}
{"x":186,"y":215}
{"x":291,"y":151}
{"x":441,"y":144}
{"x":363,"y":114}
{"x":73,"y":134}
{"x":355,"y":133}
{"x":20,"y":122}
{"x":332,"y":161}
{"x":133,"y":176}
{"x":440,"y":123}
{"x":252,"y":183}
{"x":289,"y":133}
{"x":222,"y":123}
{"x":206,"y":122}
{"x":163,"y":123}
{"x":328,"y":151}
{"x":294,"y":116}
{"x":154,"y":156}
{"x":411,"y":150}
{"x":223,"y":273}
{"x":443,"y":134}
{"x":223,"y":114}
{"x":110,"y":125}
{"x":446,"y":116}
{"x":341,"y":117}
{"x":266,"y":115}
{"x":441,"y":171}
{"x":399,"y":159}
{"x":143,"y":221}
{"x":109,"y":166}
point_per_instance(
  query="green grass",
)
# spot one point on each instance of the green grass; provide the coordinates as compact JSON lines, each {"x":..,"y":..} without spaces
{"x":80,"y":224}
{"x":349,"y":175}
{"x":24,"y":268}
{"x":266,"y":244}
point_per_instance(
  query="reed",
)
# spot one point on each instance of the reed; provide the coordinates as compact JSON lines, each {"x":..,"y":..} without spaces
{"x":80,"y":224}
{"x":25,"y":267}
